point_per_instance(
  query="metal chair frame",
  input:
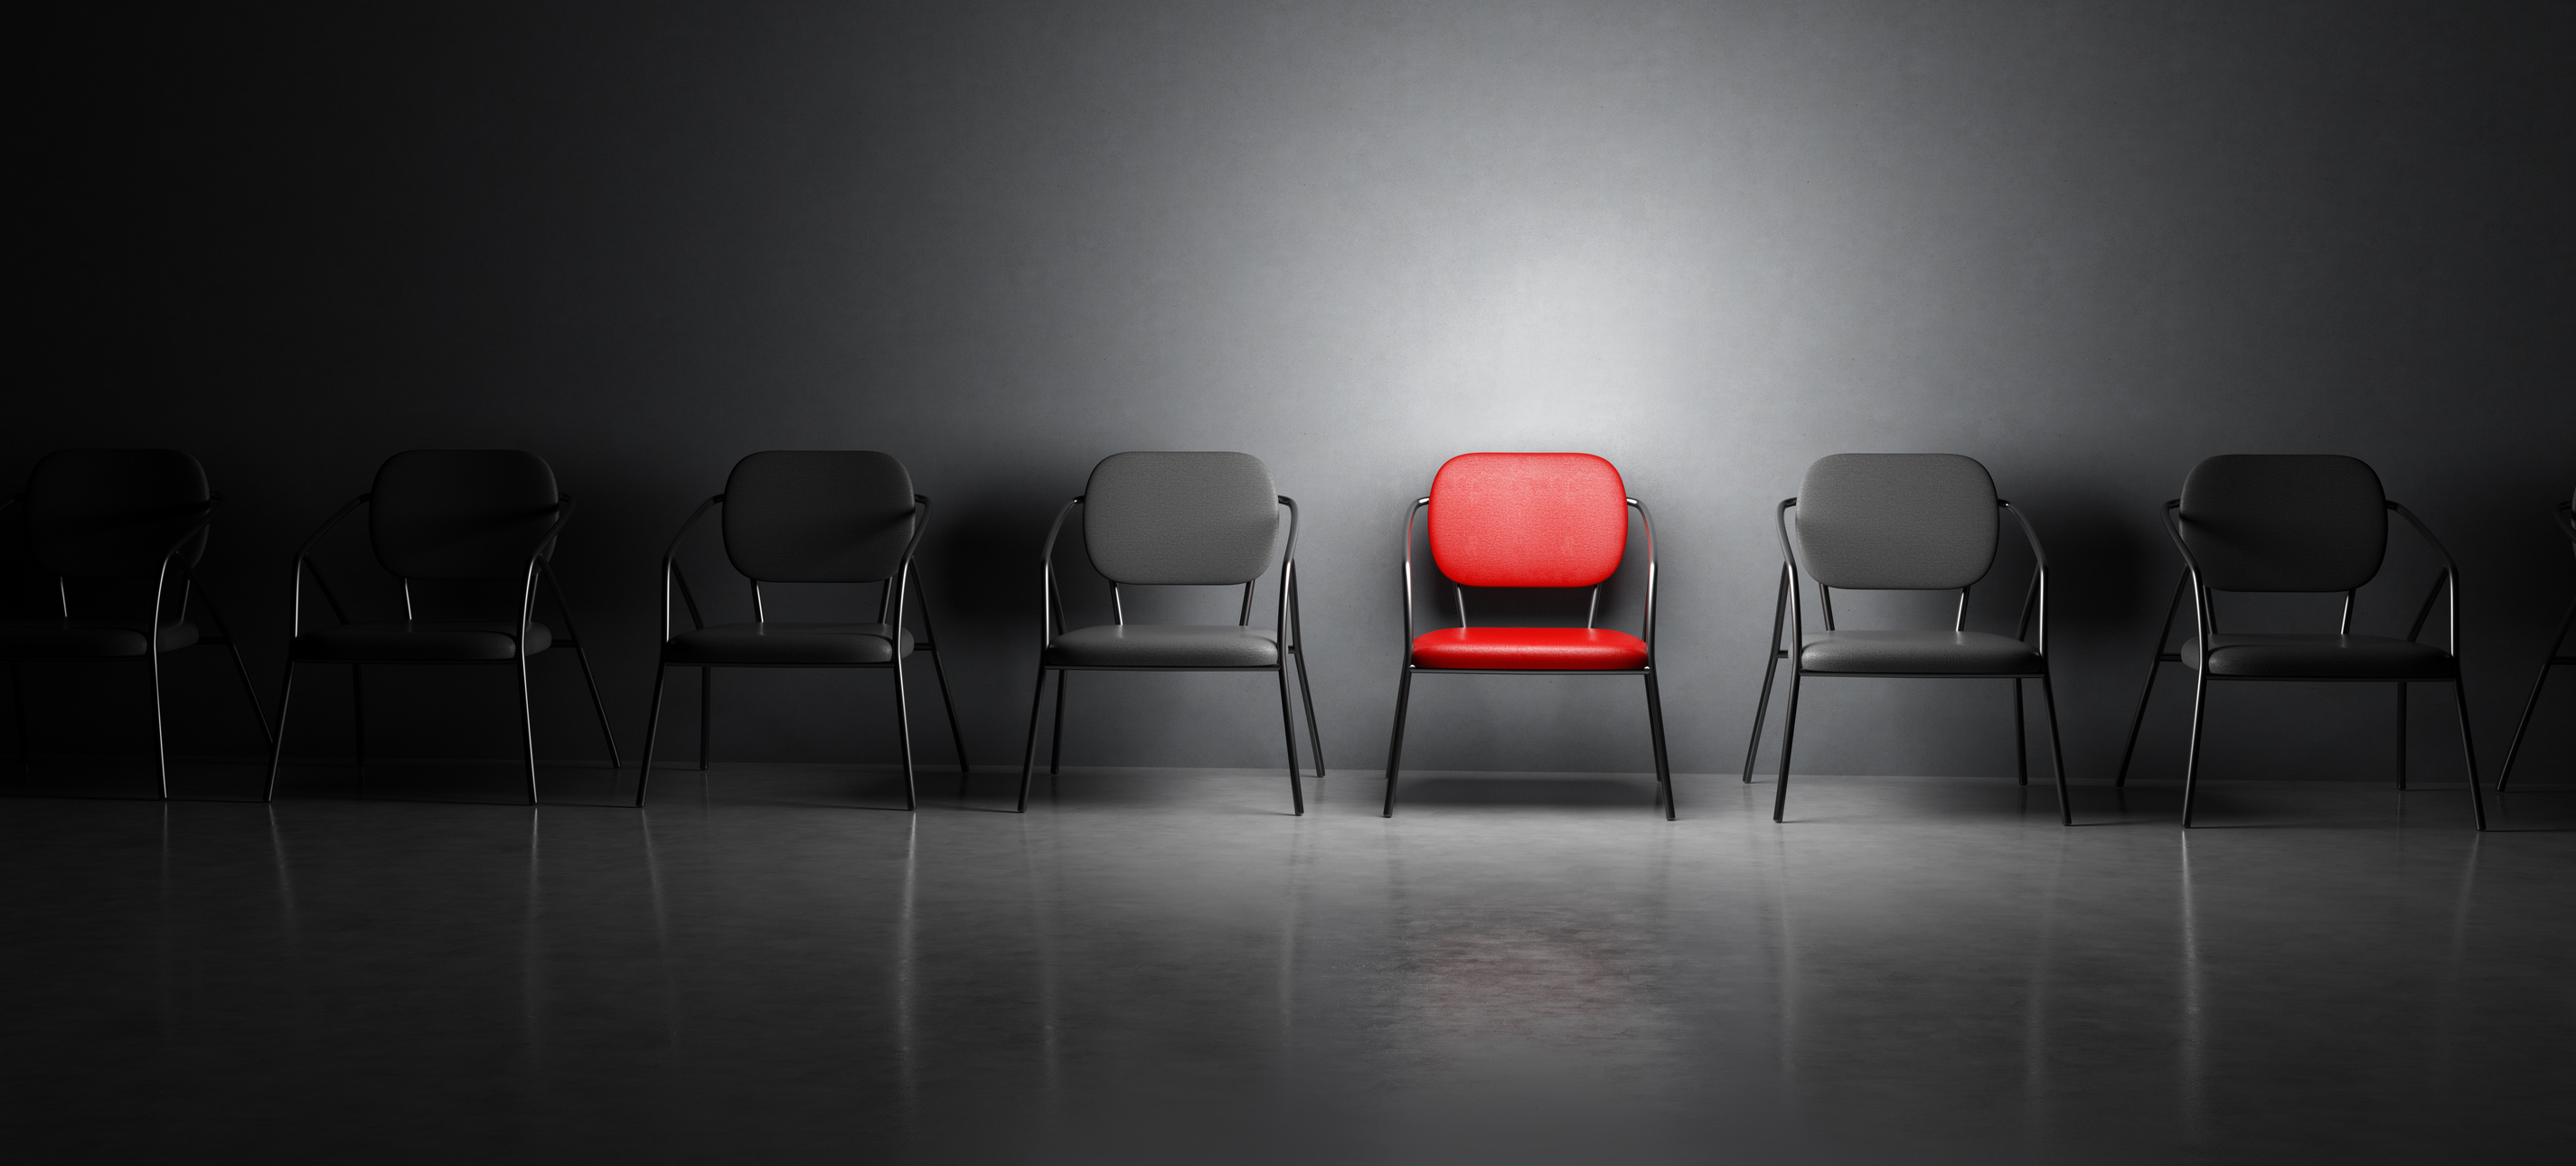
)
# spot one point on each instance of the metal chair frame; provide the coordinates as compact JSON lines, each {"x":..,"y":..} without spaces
{"x":188,"y":588}
{"x":2556,"y":658}
{"x":1289,"y":621}
{"x":2204,"y":615}
{"x":540,"y":567}
{"x":1592,"y":613}
{"x":1790,"y":608}
{"x":889,"y":612}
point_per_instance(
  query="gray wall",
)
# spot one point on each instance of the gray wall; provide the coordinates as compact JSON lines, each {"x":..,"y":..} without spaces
{"x":2085,"y":244}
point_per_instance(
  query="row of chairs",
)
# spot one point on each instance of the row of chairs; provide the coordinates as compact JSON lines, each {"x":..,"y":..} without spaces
{"x":441,"y":521}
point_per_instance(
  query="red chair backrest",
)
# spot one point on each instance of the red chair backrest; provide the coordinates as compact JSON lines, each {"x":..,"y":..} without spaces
{"x":1528,"y":519}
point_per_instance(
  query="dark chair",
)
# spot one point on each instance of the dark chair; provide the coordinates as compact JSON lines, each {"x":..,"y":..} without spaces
{"x":807,"y":516}
{"x":2557,"y":657}
{"x":1903,"y":522}
{"x":2295,"y":523}
{"x":446,"y":516}
{"x":101,"y":516}
{"x":1176,"y":519}
{"x":1530,"y":520}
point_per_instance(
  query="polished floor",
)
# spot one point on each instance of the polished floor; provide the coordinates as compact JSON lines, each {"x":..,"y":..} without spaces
{"x":1164,"y":967}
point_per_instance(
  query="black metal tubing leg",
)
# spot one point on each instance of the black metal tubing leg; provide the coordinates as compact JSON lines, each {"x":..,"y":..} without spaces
{"x":160,"y":729}
{"x":358,"y":718}
{"x":528,"y":727}
{"x":2191,"y":760}
{"x":2512,"y":751}
{"x":250,"y":691}
{"x":2021,"y":736}
{"x":1029,"y":753}
{"x":706,"y":715}
{"x":277,"y":748}
{"x":597,"y":705}
{"x":1761,"y":706}
{"x":903,"y":729}
{"x":1663,"y":762}
{"x":2056,"y":752}
{"x":2401,"y":735}
{"x":1306,"y":691}
{"x":1788,"y":737}
{"x":1055,"y":751}
{"x":18,"y":700}
{"x":2469,"y":750}
{"x":939,"y":672}
{"x":1395,"y":746}
{"x":652,"y":731}
{"x":1288,"y":728}
{"x":2129,"y":751}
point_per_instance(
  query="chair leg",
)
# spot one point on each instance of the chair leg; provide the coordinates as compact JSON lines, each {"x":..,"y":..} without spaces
{"x":250,"y":692}
{"x":358,"y":718}
{"x":2056,"y":751}
{"x":1055,"y":752}
{"x":706,"y":715}
{"x":160,"y":728}
{"x":597,"y":705}
{"x":956,"y":736}
{"x":1288,"y":728}
{"x":277,"y":747}
{"x":2503,"y":778}
{"x":2021,"y":737}
{"x":1395,"y":747}
{"x":2401,"y":736}
{"x":1663,"y":761}
{"x":1761,"y":705}
{"x":2469,"y":752}
{"x":2129,"y":751}
{"x":528,"y":727}
{"x":2191,"y":759}
{"x":1029,"y":752}
{"x":652,"y":731}
{"x":903,"y":733}
{"x":18,"y":700}
{"x":1788,"y":737}
{"x":1306,"y":691}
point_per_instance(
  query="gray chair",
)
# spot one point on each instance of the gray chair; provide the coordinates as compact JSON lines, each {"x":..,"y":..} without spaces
{"x":2557,"y":657}
{"x":1176,"y":519}
{"x":450,"y":518}
{"x":105,"y":516}
{"x":807,"y":516}
{"x":1902,"y":522}
{"x":2295,"y":523}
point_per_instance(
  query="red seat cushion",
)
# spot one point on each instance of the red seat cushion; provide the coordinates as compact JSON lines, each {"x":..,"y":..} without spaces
{"x":1528,"y":519}
{"x":1568,"y":648}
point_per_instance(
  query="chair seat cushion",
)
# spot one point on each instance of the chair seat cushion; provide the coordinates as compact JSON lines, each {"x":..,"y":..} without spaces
{"x":421,"y":640}
{"x":1585,"y":649}
{"x":88,"y":639}
{"x":2320,"y":657}
{"x":780,"y":642}
{"x":1923,"y":653}
{"x":1163,"y":645}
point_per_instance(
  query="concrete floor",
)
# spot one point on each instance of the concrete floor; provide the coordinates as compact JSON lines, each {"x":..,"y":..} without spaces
{"x":1163,"y":966}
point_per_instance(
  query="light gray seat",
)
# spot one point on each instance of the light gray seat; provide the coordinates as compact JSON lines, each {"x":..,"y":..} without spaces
{"x":1900,"y":522}
{"x":1166,"y":646}
{"x":1918,"y":653}
{"x":783,"y":642}
{"x":1190,"y":519}
{"x":446,"y":516}
{"x":2289,"y":523}
{"x":2310,"y":656}
{"x":807,"y":516}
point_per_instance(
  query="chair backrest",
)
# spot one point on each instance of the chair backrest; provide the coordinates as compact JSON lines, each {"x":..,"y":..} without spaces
{"x":2284,"y":522}
{"x":1159,"y":518}
{"x":461,"y":513}
{"x":1528,"y":519}
{"x":818,"y":515}
{"x":111,"y":513}
{"x":1897,"y":521}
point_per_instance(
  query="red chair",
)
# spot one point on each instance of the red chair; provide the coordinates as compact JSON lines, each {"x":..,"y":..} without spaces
{"x":1530,"y":520}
